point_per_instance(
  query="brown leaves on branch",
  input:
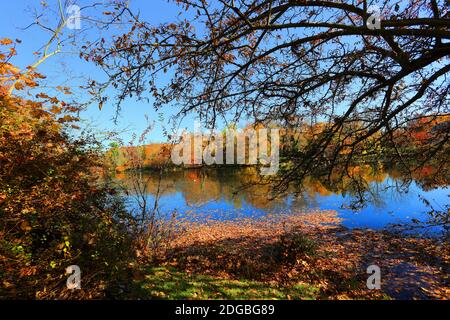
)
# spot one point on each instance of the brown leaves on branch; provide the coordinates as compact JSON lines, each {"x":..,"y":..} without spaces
{"x":49,"y":198}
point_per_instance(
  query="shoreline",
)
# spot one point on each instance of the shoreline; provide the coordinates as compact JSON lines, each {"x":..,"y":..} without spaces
{"x":335,"y":267}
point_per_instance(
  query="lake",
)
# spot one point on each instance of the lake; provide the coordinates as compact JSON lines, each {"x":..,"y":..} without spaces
{"x":217,"y":194}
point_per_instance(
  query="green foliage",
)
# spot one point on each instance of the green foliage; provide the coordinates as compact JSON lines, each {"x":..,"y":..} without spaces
{"x":168,"y":283}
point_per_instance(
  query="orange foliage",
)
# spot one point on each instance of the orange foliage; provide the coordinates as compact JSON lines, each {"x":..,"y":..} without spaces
{"x":54,"y":212}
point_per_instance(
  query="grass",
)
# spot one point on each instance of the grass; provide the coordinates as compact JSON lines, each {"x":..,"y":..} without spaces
{"x":169,"y":283}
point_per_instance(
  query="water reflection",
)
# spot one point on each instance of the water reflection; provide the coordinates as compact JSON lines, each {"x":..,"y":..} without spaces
{"x":219,"y":194}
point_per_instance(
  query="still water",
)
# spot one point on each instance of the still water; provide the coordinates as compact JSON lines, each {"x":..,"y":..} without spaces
{"x":218,"y":194}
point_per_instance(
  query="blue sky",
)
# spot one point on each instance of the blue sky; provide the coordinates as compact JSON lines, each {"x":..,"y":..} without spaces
{"x":67,"y":69}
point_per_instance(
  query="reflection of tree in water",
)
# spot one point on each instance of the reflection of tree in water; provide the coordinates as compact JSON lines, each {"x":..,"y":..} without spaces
{"x":364,"y":184}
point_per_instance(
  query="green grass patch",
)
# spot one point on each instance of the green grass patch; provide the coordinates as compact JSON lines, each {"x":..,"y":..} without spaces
{"x":169,"y":283}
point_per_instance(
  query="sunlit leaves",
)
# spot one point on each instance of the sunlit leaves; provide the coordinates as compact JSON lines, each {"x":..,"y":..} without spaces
{"x":49,"y":196}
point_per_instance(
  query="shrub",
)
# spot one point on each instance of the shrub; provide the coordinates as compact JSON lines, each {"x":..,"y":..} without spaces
{"x":54,"y":210}
{"x":295,"y":246}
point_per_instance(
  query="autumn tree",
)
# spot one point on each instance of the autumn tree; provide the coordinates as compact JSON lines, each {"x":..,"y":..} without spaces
{"x":54,"y":209}
{"x":294,"y":62}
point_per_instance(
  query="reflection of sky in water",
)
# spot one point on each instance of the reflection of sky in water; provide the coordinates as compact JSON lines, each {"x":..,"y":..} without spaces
{"x":390,"y":206}
{"x":395,"y":207}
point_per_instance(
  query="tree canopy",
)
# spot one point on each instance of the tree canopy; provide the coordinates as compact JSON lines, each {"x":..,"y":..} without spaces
{"x":294,"y":62}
